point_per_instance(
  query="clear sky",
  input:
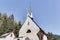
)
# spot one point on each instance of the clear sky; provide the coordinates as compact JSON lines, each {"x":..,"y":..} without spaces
{"x":46,"y":13}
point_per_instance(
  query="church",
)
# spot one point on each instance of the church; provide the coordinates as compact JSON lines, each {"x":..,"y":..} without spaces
{"x":30,"y":29}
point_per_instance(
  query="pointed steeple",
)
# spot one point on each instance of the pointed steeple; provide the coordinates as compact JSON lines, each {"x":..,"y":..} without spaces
{"x":30,"y":13}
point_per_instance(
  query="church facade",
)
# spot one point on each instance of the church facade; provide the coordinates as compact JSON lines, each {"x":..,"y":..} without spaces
{"x":30,"y":30}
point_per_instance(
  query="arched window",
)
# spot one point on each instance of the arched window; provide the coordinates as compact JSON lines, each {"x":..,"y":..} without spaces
{"x":27,"y":38}
{"x":28,"y":31}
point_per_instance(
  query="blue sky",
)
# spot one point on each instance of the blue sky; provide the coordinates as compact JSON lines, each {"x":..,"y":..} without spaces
{"x":46,"y":13}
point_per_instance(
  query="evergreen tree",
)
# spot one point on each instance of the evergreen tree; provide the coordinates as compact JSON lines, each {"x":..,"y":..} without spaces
{"x":9,"y":24}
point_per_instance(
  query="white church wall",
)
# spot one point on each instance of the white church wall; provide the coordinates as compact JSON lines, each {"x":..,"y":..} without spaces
{"x":32,"y":26}
{"x":7,"y":39}
{"x":45,"y":37}
{"x":11,"y":36}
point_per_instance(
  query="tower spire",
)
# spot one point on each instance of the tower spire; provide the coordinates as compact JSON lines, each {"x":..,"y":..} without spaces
{"x":29,"y":10}
{"x":30,"y":13}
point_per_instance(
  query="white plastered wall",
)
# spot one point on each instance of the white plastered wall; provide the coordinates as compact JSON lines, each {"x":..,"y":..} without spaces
{"x":45,"y":37}
{"x":32,"y":26}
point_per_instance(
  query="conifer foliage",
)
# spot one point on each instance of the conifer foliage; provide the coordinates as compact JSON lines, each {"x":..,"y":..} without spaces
{"x":7,"y":24}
